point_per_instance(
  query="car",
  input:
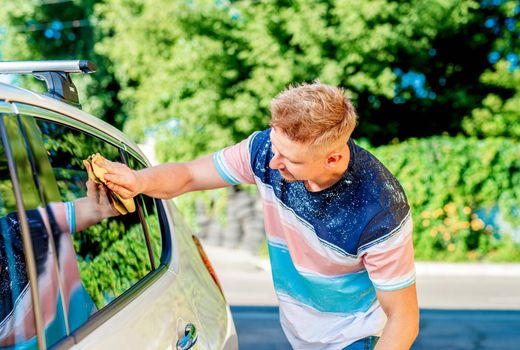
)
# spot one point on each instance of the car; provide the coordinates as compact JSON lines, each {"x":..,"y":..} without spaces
{"x":134,"y":281}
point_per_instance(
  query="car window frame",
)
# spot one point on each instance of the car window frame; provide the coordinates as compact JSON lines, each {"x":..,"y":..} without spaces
{"x":166,"y":234}
{"x":107,"y":312}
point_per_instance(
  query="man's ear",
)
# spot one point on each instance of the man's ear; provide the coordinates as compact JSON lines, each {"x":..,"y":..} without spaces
{"x":333,"y":159}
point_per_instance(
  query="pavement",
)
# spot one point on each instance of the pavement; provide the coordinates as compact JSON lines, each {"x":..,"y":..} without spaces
{"x":246,"y":280}
{"x":258,"y":328}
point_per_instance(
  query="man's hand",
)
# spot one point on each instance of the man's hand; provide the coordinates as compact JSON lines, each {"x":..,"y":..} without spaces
{"x":121,"y":179}
{"x":94,"y":207}
{"x":99,"y":203}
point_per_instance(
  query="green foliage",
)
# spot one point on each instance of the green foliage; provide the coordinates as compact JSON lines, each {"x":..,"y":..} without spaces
{"x":7,"y":200}
{"x":96,"y":239}
{"x":446,"y":181}
{"x":73,"y":33}
{"x":498,"y":116}
{"x":118,"y":262}
{"x":215,"y":66}
{"x":215,"y":204}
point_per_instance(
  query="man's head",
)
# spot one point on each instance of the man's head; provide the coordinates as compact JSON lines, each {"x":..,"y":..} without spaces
{"x":311,"y":124}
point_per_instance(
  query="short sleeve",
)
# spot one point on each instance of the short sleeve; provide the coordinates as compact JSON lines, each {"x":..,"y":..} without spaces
{"x":233,"y":163}
{"x":389,"y":260}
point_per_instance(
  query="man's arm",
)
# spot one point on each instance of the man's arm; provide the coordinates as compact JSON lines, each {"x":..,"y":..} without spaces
{"x":93,"y":208}
{"x":402,"y":310}
{"x":163,"y":181}
{"x":85,"y":211}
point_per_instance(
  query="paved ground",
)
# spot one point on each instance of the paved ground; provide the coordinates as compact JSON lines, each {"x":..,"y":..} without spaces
{"x":258,"y":328}
{"x":247,"y":281}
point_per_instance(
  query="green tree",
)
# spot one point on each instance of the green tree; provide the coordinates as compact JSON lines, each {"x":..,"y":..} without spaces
{"x":499,"y":113}
{"x":45,"y":30}
{"x":413,"y":68}
{"x":214,"y":66}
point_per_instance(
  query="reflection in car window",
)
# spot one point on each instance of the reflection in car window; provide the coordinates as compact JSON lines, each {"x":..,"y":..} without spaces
{"x":112,"y":255}
{"x":75,"y":301}
{"x":150,"y":215}
{"x":13,"y":276}
{"x":17,"y":326}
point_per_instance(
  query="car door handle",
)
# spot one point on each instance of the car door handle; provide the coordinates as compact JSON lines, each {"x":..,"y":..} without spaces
{"x":189,"y":338}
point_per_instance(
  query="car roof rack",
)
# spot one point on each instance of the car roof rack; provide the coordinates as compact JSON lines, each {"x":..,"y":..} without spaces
{"x":56,"y":75}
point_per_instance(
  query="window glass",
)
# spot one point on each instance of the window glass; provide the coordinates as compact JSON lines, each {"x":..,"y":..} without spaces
{"x":13,"y":277}
{"x":76,"y":303}
{"x":111,"y":254}
{"x":150,"y":215}
{"x":17,"y":325}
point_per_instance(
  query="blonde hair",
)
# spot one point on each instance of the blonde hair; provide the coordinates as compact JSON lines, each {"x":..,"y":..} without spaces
{"x":315,"y":114}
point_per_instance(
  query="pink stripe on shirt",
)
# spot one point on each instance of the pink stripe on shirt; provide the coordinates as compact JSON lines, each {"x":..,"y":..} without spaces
{"x":235,"y":156}
{"x":303,"y":255}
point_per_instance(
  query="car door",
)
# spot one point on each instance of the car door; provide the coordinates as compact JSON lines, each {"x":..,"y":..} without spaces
{"x":122,"y":263}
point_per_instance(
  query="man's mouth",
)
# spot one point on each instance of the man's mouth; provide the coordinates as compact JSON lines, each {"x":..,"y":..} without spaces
{"x":286,"y":175}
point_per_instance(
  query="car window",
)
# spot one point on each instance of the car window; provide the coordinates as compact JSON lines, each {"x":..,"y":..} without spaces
{"x":111,"y":255}
{"x":17,"y":322}
{"x":150,"y":214}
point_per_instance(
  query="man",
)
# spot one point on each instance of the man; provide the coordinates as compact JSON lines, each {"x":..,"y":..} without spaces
{"x":337,"y":222}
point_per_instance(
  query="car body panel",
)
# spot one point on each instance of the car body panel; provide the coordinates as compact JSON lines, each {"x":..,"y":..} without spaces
{"x":5,"y":107}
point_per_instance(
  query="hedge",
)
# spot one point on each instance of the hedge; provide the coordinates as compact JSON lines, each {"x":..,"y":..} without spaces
{"x":448,"y":182}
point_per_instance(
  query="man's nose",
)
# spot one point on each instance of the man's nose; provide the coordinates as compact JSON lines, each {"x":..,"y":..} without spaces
{"x":276,"y":163}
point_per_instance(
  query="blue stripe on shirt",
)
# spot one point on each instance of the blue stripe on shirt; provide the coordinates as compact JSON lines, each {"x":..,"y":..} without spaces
{"x":71,"y":216}
{"x":222,"y":169}
{"x":400,"y":285}
{"x":346,"y":294}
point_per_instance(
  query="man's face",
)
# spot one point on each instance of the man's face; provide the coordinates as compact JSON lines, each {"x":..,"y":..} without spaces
{"x":294,"y":161}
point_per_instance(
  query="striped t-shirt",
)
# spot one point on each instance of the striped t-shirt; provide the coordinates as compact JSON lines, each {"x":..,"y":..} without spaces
{"x":329,"y":250}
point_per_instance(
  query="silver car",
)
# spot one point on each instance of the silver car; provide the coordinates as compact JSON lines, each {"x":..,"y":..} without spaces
{"x":134,"y":281}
